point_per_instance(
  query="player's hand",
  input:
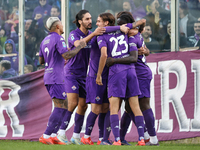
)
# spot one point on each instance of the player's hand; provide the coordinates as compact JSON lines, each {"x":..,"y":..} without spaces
{"x":99,"y":80}
{"x":82,"y":43}
{"x":38,"y":16}
{"x":124,"y":28}
{"x":132,"y":32}
{"x":141,"y":51}
{"x":99,"y":31}
{"x":110,"y":61}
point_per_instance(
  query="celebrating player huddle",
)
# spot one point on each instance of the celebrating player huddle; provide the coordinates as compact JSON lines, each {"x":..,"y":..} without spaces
{"x":117,"y":71}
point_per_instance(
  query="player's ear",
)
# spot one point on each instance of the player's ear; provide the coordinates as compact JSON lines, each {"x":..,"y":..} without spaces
{"x":80,"y":22}
{"x":106,"y":23}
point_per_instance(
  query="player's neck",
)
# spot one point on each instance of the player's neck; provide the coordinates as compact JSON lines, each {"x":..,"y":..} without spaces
{"x":84,"y":30}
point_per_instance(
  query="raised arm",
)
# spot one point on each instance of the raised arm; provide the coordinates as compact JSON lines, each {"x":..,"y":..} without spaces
{"x":102,"y":63}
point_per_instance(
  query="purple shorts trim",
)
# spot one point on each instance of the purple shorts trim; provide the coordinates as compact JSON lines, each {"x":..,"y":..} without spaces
{"x":96,"y":94}
{"x":73,"y":85}
{"x":56,"y":91}
{"x":123,"y":84}
{"x":144,"y":87}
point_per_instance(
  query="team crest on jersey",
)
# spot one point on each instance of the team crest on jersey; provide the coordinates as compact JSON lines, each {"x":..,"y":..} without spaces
{"x":63,"y":94}
{"x":72,"y":38}
{"x":97,"y":98}
{"x":99,"y":42}
{"x":61,"y":39}
{"x":64,"y":45}
{"x":73,"y":87}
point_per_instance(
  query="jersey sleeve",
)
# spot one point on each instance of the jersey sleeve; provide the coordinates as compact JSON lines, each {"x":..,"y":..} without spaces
{"x":61,"y":45}
{"x":101,"y":41}
{"x":130,"y":25}
{"x":112,"y":29}
{"x":72,"y":38}
{"x":132,"y":43}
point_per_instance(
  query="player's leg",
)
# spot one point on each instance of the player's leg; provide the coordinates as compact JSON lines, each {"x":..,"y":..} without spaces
{"x":133,"y":91}
{"x":55,"y":117}
{"x":149,"y":120}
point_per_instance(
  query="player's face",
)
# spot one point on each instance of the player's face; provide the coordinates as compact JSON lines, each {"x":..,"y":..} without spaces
{"x":126,"y":6}
{"x":9,"y":48}
{"x":147,"y":32}
{"x":197,"y":28}
{"x":100,"y":22}
{"x":169,"y":28}
{"x":87,"y":21}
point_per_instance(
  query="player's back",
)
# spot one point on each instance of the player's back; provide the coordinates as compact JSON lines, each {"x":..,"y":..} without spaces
{"x":117,"y":47}
{"x":52,"y":51}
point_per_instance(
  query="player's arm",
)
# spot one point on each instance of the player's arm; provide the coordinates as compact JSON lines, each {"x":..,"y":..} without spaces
{"x":143,"y":50}
{"x":127,"y":60}
{"x":41,"y":60}
{"x":102,"y":63}
{"x":69,"y":54}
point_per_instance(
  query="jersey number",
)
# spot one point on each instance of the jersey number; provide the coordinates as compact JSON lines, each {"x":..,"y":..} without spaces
{"x":46,"y":50}
{"x":119,"y":40}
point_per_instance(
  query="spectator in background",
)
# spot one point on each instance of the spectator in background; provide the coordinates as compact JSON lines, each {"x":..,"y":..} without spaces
{"x":44,"y":9}
{"x":152,"y":44}
{"x":3,"y":37}
{"x":28,"y":69}
{"x":136,"y":8}
{"x":186,"y":20}
{"x":166,"y":42}
{"x":194,"y":7}
{"x":30,"y":5}
{"x":55,"y":3}
{"x":55,"y":12}
{"x":11,"y":24}
{"x":27,"y":24}
{"x":194,"y":40}
{"x":147,"y":5}
{"x":5,"y":70}
{"x":10,"y":48}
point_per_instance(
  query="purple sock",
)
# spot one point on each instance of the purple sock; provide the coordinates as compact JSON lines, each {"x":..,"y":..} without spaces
{"x":60,"y":122}
{"x":66,"y":120}
{"x":114,"y":121}
{"x":131,"y":114}
{"x":90,"y":123}
{"x":53,"y":120}
{"x":139,"y":123}
{"x":149,"y":121}
{"x":78,"y":123}
{"x":101,"y":124}
{"x":124,"y":124}
{"x":107,"y":128}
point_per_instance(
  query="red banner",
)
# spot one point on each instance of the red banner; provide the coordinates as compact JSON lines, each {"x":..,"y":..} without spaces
{"x":25,"y":105}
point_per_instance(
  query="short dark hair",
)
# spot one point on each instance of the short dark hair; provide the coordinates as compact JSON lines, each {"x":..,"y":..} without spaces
{"x":80,"y":16}
{"x":108,"y":17}
{"x":29,"y":67}
{"x":125,"y":13}
{"x":6,"y":64}
{"x":54,"y":6}
{"x":125,"y":18}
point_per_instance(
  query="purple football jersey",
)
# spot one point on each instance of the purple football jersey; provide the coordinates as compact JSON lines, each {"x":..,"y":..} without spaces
{"x":77,"y":66}
{"x":52,"y":48}
{"x":142,"y":69}
{"x":94,"y":61}
{"x":117,"y":47}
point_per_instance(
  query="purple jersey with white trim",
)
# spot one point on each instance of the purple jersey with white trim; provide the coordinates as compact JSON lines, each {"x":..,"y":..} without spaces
{"x":77,"y":66}
{"x":117,"y":47}
{"x":52,"y":48}
{"x":94,"y":60}
{"x":141,"y":67}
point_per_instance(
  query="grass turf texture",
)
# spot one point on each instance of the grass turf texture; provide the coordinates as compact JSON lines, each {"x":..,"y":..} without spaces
{"x":28,"y":145}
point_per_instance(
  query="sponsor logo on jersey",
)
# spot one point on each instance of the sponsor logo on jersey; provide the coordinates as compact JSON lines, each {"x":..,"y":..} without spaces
{"x":73,"y":87}
{"x":64,"y":45}
{"x":97,"y":98}
{"x":132,"y":45}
